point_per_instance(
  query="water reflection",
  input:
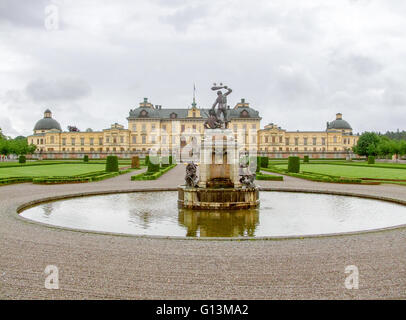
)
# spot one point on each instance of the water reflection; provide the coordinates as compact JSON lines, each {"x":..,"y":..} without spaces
{"x":241,"y":223}
{"x":280,"y":214}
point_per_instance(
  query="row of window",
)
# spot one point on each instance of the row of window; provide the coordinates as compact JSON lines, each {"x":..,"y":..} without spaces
{"x":183,"y":127}
{"x":305,"y":140}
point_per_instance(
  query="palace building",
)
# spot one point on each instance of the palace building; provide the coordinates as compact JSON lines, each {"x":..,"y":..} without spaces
{"x":151,"y":127}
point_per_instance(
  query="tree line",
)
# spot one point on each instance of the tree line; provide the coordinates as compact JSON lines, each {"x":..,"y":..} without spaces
{"x":376,"y":144}
{"x":18,"y":146}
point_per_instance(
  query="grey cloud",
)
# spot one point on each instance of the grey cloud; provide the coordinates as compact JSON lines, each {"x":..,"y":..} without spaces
{"x":184,"y":17}
{"x":60,"y":89}
{"x":23,"y":13}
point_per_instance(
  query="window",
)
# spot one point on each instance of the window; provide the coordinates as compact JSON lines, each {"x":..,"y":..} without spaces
{"x":52,"y":139}
{"x":164,"y":127}
{"x":64,"y":141}
{"x":305,"y":141}
{"x":280,"y":139}
{"x":194,"y":128}
{"x":335,"y":139}
{"x":253,"y":126}
{"x":152,"y":127}
{"x":163,"y":139}
{"x":108,"y":139}
{"x":134,"y":127}
{"x":194,"y":114}
{"x":153,"y":139}
{"x":144,"y":127}
{"x":287,"y":141}
{"x":273,"y":139}
{"x":266,"y":139}
{"x":82,"y":141}
{"x":114,"y":140}
{"x":144,"y":139}
{"x":100,"y":141}
{"x":244,"y":127}
{"x":296,"y":141}
{"x":121,"y":139}
{"x":253,"y":139}
{"x":323,"y":141}
{"x":134,"y":139}
{"x":91,"y":141}
{"x":72,"y":141}
{"x":182,"y":128}
{"x":235,"y":127}
{"x":314,"y":141}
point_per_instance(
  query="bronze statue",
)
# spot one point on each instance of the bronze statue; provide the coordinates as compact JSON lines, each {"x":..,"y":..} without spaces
{"x":247,"y":178}
{"x":221,"y":101}
{"x":212,"y":122}
{"x":191,"y":177}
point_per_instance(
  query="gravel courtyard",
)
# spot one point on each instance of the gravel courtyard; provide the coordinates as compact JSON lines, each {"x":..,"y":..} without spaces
{"x":97,"y":266}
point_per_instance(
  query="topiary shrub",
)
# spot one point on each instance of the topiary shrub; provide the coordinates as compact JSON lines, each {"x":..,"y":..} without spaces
{"x":258,"y":168}
{"x":85,"y":158}
{"x":146,"y":160}
{"x":153,"y":164}
{"x":22,"y":159}
{"x":135,"y":162}
{"x":306,"y":159}
{"x":112,"y":164}
{"x":294,"y":164}
{"x":165,"y":161}
{"x":170,"y":160}
{"x":371,"y":160}
{"x":264,"y":162}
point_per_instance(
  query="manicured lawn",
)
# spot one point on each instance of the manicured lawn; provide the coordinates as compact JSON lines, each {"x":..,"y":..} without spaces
{"x":352,"y":171}
{"x":50,"y":170}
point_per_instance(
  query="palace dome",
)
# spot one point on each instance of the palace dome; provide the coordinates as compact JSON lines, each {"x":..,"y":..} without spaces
{"x":47,"y":123}
{"x":339,"y":123}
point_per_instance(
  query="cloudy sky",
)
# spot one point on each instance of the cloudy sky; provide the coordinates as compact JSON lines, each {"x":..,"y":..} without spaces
{"x":297,"y":62}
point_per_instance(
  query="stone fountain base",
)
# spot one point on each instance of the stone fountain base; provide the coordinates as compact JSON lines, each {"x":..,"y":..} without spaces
{"x":217,"y":198}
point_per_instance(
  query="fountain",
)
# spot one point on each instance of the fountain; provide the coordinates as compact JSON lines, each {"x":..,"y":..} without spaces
{"x":223,"y":183}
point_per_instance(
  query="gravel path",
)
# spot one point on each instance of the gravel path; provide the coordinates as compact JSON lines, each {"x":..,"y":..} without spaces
{"x":116,"y":267}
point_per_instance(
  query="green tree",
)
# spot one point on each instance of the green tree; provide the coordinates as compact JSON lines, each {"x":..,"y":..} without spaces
{"x":367,"y":144}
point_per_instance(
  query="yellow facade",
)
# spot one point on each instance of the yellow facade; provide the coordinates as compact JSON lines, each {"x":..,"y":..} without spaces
{"x":169,"y":130}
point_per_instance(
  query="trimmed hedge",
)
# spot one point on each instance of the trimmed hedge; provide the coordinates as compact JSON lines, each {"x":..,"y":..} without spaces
{"x":306,"y":159}
{"x":264,"y":162}
{"x":261,"y":176}
{"x":85,"y":158}
{"x":135,"y":162}
{"x":371,"y":160}
{"x":112,"y":164}
{"x":22,"y":159}
{"x":146,"y":161}
{"x":294,"y":164}
{"x":153,"y":164}
{"x":152,"y":175}
{"x":317,"y":177}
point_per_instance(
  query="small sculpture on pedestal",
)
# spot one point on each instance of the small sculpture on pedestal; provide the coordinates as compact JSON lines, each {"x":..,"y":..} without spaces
{"x":191,"y":177}
{"x":247,"y":178}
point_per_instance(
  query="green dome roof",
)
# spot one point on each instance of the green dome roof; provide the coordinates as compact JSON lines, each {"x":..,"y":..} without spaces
{"x":339,"y":123}
{"x":47,"y":123}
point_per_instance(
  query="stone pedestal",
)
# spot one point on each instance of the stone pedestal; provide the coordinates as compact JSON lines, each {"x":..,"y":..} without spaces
{"x":218,"y":199}
{"x":219,"y":160}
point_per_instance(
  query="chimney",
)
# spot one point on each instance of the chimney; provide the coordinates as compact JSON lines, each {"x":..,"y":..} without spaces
{"x":339,"y":116}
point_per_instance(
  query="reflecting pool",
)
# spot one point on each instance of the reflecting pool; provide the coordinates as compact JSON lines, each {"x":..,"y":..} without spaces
{"x":280,"y":214}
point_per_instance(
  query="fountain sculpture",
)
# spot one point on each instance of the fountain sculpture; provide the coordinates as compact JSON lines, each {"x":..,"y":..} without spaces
{"x":223,"y":183}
